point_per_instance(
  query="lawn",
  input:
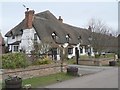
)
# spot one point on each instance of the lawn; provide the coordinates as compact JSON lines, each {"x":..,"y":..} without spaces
{"x":46,"y":80}
{"x":118,"y":63}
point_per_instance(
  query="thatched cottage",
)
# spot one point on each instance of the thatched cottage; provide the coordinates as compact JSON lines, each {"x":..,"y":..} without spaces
{"x":44,"y":27}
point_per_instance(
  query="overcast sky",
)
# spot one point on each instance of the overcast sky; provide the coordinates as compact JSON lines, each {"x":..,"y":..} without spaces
{"x":74,"y":13}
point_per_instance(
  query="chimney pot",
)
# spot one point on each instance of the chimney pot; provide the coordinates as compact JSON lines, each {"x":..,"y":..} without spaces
{"x":60,"y":19}
{"x":89,"y":28}
{"x":27,"y":9}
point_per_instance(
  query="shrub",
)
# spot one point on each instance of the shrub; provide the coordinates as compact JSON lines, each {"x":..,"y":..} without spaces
{"x":71,"y":61}
{"x":42,"y":61}
{"x":14,"y":60}
{"x":97,"y":55}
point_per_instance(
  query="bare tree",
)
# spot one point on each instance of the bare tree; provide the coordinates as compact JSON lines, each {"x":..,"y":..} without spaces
{"x":99,"y":34}
{"x":114,"y":33}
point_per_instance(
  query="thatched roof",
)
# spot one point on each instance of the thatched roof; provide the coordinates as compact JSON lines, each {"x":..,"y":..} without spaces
{"x":45,"y":23}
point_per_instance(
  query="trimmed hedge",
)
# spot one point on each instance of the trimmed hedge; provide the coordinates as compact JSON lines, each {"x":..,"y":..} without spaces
{"x":14,"y":60}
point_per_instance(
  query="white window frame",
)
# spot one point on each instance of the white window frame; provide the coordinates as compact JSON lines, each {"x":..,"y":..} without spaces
{"x":70,"y":51}
{"x":14,"y":48}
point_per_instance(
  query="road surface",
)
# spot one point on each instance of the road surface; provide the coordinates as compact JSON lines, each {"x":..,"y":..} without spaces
{"x":105,"y":78}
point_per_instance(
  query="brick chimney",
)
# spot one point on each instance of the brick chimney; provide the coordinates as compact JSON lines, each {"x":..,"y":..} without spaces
{"x":29,"y":15}
{"x":60,"y":19}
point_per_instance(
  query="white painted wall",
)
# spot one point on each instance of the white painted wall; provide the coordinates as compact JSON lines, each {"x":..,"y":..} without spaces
{"x":83,"y":50}
{"x":10,"y":40}
{"x":58,"y":54}
{"x":27,"y":40}
{"x":72,"y":55}
{"x":84,"y":53}
{"x":92,"y":53}
{"x":18,"y":38}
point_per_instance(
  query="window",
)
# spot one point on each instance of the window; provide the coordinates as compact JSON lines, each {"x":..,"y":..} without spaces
{"x":54,"y":36}
{"x":35,"y":36}
{"x":70,"y":50}
{"x":54,"y":51}
{"x":67,"y":38}
{"x":13,"y":37}
{"x":81,"y":49}
{"x":86,"y":49}
{"x":16,"y":48}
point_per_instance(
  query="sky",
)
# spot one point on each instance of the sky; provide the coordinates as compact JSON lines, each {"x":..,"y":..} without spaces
{"x":73,"y":13}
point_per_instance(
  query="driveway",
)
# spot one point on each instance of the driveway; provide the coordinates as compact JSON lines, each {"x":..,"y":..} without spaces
{"x":105,"y":77}
{"x":84,"y":70}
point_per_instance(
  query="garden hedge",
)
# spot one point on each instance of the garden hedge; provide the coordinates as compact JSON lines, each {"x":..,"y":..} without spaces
{"x":14,"y":60}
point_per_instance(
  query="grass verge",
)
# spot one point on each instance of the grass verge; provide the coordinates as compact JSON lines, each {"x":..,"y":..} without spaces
{"x":0,"y":85}
{"x":46,"y":80}
{"x":118,"y":63}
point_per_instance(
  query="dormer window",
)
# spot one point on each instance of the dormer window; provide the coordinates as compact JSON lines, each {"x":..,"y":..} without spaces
{"x":13,"y":37}
{"x":21,"y":31}
{"x":79,"y":37}
{"x":67,"y":38}
{"x":90,"y":38}
{"x":11,"y":33}
{"x":54,"y":36}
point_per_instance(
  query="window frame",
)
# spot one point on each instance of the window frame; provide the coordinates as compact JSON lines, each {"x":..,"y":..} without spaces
{"x":15,"y":49}
{"x":70,"y":50}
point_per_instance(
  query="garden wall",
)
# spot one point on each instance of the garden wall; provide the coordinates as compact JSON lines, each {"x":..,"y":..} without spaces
{"x":34,"y":71}
{"x":96,"y":62}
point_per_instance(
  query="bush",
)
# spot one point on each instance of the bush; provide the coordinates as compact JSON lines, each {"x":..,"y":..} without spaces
{"x":42,"y":61}
{"x":14,"y":60}
{"x":97,"y":55}
{"x":71,"y":61}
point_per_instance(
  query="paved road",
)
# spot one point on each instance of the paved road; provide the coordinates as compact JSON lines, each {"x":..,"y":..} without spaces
{"x":105,"y":78}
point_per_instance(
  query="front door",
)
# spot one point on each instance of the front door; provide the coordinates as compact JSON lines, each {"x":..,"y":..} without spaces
{"x":54,"y":53}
